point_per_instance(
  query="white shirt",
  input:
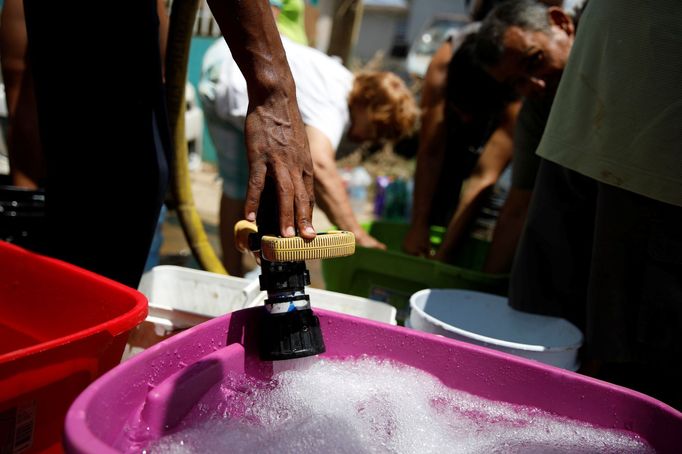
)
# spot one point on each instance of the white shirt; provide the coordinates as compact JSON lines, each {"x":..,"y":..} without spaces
{"x":322,"y":87}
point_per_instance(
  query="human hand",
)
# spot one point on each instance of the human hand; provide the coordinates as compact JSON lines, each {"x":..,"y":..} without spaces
{"x":277,"y":147}
{"x":365,"y":240}
{"x":417,"y":241}
{"x":443,"y":255}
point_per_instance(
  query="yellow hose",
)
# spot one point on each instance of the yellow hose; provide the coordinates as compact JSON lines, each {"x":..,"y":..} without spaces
{"x":183,"y":13}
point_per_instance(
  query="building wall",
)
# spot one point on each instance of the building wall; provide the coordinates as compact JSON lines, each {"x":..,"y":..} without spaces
{"x":377,"y":33}
{"x":421,"y":12}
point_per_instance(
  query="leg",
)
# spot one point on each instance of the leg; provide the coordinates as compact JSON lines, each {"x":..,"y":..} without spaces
{"x":551,"y":268}
{"x":635,"y":293}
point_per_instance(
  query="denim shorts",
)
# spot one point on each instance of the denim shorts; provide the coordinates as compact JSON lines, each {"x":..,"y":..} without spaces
{"x":230,"y":148}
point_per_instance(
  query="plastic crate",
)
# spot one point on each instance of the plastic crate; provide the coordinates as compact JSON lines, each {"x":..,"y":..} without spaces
{"x":471,"y":255}
{"x":180,"y":298}
{"x":392,"y":276}
{"x":61,"y":327}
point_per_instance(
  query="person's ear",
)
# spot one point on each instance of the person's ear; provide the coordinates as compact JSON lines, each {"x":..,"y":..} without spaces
{"x":558,"y":17}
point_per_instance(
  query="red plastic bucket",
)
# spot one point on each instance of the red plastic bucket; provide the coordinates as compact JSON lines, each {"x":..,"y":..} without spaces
{"x":61,"y":327}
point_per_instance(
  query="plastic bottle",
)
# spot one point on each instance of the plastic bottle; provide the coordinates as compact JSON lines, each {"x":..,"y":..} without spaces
{"x":381,"y":184}
{"x":357,"y":189}
{"x":395,"y":207}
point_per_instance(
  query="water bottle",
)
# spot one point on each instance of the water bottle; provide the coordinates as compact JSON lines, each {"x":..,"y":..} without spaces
{"x":357,"y":189}
{"x":396,"y":202}
{"x":381,"y":184}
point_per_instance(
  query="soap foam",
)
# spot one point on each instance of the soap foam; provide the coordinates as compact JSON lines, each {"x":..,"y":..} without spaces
{"x":373,"y":406}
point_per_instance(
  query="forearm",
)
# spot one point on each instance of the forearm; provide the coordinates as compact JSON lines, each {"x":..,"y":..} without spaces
{"x":495,"y":157}
{"x":331,"y":196}
{"x":430,"y":157}
{"x":250,"y":32}
{"x":274,"y":132}
{"x":474,"y":194}
{"x":330,"y":192}
{"x":431,"y":152}
{"x":508,"y":232}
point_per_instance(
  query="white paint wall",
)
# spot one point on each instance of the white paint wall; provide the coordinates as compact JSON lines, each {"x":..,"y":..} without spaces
{"x":377,"y":33}
{"x":421,"y":12}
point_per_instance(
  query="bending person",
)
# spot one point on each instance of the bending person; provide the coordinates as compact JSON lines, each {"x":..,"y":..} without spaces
{"x":371,"y":106}
{"x":481,"y":115}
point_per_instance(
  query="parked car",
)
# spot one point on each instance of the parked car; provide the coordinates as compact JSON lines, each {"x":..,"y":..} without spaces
{"x":430,"y":39}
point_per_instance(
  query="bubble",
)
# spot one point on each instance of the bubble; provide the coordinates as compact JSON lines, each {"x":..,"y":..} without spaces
{"x":369,"y":405}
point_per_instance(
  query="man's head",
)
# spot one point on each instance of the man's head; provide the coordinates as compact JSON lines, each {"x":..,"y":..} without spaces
{"x":381,"y":107}
{"x":526,"y":44}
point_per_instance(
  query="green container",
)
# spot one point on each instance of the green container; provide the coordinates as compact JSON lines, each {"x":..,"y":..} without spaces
{"x":392,"y":276}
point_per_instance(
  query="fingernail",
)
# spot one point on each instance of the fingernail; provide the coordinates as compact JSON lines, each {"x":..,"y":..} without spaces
{"x":289,"y":231}
{"x":309,"y":229}
{"x":251,"y":217}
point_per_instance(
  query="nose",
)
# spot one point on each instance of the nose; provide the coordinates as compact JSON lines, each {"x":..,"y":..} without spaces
{"x":537,"y":83}
{"x":531,"y":85}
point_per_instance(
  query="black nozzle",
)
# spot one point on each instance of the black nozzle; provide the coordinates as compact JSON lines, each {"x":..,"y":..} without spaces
{"x":294,"y":334}
{"x":289,"y":329}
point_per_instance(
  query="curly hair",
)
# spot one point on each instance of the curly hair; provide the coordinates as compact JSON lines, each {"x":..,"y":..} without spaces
{"x":390,"y":104}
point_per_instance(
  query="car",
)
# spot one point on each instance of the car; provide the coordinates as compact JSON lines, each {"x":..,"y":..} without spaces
{"x":429,"y":40}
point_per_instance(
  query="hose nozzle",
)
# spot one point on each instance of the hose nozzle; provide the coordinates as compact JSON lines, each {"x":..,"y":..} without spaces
{"x":290,"y":329}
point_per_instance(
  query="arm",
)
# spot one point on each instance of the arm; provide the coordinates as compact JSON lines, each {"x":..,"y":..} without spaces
{"x":330,"y":191}
{"x":495,"y":157}
{"x":275,"y":137}
{"x":162,"y":12}
{"x":508,"y":231}
{"x":311,"y":15}
{"x":431,"y":151}
{"x":27,"y":164}
{"x":529,"y":129}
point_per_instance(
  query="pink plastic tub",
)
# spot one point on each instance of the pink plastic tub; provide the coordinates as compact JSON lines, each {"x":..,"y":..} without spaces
{"x":157,"y":389}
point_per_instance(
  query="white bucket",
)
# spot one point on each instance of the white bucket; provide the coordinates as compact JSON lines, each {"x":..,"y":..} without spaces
{"x":487,"y":320}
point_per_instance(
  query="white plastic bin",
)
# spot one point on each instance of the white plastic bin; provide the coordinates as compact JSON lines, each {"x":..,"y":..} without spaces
{"x":202,"y":293}
{"x":180,"y":298}
{"x":487,"y":320}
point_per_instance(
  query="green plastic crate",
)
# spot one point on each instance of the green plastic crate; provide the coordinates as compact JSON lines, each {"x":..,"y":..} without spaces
{"x":392,"y":276}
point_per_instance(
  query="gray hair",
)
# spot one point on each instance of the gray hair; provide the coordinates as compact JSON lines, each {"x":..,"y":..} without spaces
{"x":528,"y":15}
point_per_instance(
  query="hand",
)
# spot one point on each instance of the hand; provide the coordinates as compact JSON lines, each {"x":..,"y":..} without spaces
{"x":365,"y":240}
{"x":418,"y":241}
{"x":441,"y":256}
{"x":278,"y":148}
